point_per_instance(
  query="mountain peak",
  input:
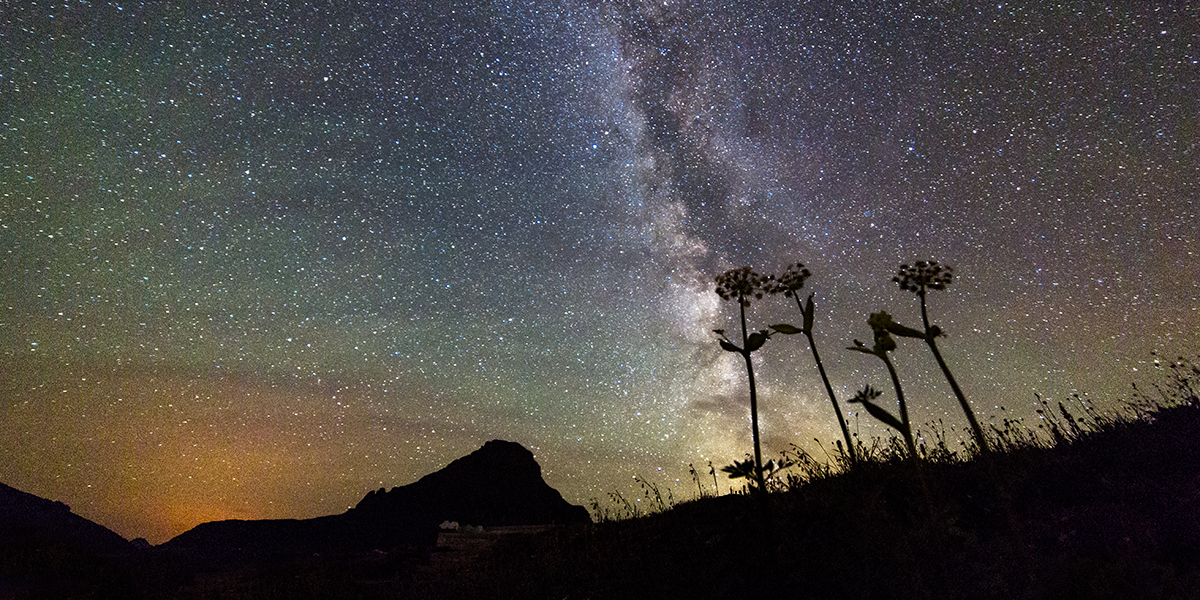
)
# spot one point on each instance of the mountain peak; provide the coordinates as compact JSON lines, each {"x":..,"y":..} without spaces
{"x":498,"y":484}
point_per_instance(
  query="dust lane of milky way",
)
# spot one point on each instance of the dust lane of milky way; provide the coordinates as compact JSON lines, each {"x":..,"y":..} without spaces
{"x":260,"y":259}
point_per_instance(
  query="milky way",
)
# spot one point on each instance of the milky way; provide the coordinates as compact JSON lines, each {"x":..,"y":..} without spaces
{"x":259,"y":260}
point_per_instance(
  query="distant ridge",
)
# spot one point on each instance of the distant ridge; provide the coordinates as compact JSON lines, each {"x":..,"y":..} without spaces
{"x":499,"y":484}
{"x":29,"y":521}
{"x":235,"y":540}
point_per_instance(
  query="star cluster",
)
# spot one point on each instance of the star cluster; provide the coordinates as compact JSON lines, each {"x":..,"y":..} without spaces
{"x":259,"y":258}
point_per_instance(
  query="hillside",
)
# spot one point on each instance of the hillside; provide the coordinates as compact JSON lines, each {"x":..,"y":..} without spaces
{"x":1114,"y":513}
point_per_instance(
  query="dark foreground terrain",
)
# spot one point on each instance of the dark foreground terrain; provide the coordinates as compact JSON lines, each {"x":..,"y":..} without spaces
{"x":1111,"y":509}
{"x":1109,"y":513}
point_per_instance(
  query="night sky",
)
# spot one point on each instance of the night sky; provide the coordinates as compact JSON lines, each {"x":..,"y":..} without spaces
{"x":261,"y":258}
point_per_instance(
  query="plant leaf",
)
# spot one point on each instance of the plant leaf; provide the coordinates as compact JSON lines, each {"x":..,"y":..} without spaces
{"x":895,"y":328}
{"x":879,"y":413}
{"x":786,"y":329}
{"x":756,"y":340}
{"x":729,"y":346}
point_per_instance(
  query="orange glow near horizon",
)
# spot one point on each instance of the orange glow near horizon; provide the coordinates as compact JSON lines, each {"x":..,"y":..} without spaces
{"x":153,"y":455}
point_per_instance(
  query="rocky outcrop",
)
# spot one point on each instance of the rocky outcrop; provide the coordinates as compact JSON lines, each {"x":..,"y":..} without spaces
{"x":499,"y":484}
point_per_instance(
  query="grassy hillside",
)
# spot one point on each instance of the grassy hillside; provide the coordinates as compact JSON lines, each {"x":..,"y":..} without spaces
{"x":1111,"y":509}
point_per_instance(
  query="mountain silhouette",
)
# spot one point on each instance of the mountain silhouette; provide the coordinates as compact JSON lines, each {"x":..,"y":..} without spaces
{"x":46,"y":551}
{"x":498,"y":485}
{"x":32,"y":522}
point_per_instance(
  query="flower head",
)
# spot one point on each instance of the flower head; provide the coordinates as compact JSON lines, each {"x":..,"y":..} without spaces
{"x":742,"y":285}
{"x":880,"y":323}
{"x":924,"y":275}
{"x":866,"y":395}
{"x":791,"y":280}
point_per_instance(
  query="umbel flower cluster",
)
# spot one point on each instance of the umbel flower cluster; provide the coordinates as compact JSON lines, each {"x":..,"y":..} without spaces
{"x":924,"y":275}
{"x":742,"y":284}
{"x":745,"y":283}
{"x":790,"y":282}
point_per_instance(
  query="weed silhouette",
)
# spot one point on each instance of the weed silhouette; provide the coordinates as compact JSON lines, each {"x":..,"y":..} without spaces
{"x":881,"y":323}
{"x":789,"y":285}
{"x":919,"y":278}
{"x":742,"y":285}
{"x":745,"y":469}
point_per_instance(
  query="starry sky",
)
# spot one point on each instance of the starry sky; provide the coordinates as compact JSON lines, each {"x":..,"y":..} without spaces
{"x":259,"y":258}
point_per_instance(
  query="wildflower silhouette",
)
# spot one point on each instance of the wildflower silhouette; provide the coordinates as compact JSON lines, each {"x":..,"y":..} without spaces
{"x":882,"y":326}
{"x":742,"y":285}
{"x":919,"y":278}
{"x":789,"y":285}
{"x":746,"y":469}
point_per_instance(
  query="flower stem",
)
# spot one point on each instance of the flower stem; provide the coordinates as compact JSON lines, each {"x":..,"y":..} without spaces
{"x":976,"y":430}
{"x":828,"y":388}
{"x":758,"y":469}
{"x":907,"y":429}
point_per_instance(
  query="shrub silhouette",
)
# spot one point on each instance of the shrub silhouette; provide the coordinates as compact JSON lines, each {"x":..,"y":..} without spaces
{"x":789,"y":285}
{"x":742,"y":285}
{"x":919,"y":278}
